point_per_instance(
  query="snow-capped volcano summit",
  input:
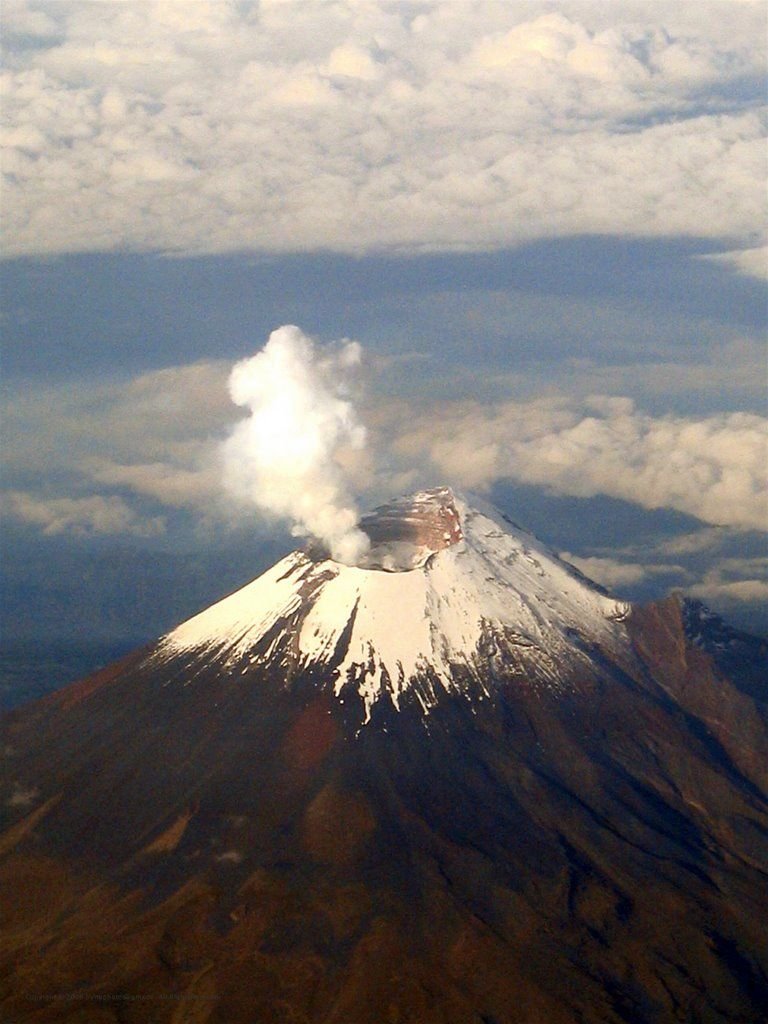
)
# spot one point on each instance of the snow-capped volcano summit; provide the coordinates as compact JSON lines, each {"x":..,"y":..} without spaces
{"x":450,"y":597}
{"x":453,"y":784}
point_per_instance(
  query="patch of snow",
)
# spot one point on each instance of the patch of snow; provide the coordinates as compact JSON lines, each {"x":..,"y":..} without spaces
{"x":243,"y":617}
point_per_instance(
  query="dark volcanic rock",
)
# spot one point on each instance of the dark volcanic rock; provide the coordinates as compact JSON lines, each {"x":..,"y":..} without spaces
{"x":184,"y":840}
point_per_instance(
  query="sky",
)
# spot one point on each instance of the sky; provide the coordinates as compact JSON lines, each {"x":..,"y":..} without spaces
{"x":544,"y":224}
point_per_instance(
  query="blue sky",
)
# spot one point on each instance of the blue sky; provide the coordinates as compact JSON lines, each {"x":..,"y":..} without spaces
{"x":544,"y":223}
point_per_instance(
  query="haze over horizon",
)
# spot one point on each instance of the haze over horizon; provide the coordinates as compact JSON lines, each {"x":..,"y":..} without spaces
{"x":542,"y":222}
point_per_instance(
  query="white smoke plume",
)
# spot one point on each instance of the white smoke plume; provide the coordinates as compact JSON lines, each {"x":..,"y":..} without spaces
{"x":284,"y":457}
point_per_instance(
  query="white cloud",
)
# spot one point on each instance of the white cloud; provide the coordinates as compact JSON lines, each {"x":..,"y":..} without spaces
{"x":712,"y":467}
{"x":707,"y":539}
{"x":95,"y":514}
{"x":158,"y":436}
{"x":213,"y":126}
{"x":155,"y":435}
{"x":734,"y":580}
{"x":22,"y":19}
{"x":731,"y":374}
{"x":352,"y":61}
{"x":730,"y":592}
{"x":752,"y":262}
{"x":165,"y":416}
{"x":614,"y":573}
{"x":172,"y":485}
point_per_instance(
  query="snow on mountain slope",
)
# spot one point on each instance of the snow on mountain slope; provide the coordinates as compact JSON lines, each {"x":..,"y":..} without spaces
{"x":450,"y":597}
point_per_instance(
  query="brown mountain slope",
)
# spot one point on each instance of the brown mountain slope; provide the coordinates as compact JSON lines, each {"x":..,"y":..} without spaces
{"x":228,"y":851}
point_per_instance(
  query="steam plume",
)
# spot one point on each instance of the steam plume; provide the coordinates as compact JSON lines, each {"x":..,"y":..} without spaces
{"x":283,"y":456}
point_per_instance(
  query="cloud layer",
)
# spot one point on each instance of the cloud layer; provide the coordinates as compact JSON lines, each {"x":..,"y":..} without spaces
{"x":711,"y":467}
{"x":107,"y":458}
{"x":158,"y":437}
{"x":90,"y":516}
{"x":359,"y":126}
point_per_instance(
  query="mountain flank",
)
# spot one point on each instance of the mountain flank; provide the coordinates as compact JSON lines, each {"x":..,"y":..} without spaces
{"x":455,"y":783}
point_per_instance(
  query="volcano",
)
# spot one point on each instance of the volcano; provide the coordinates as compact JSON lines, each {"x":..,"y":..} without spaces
{"x":456,"y":782}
